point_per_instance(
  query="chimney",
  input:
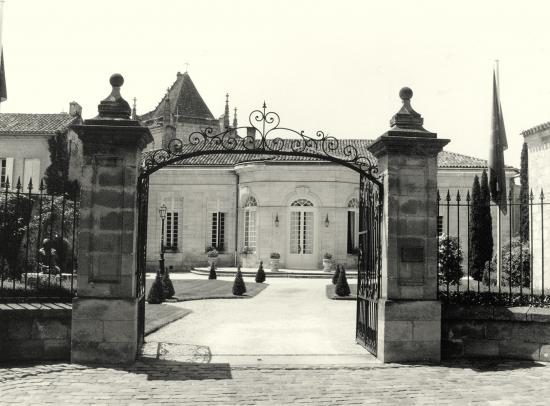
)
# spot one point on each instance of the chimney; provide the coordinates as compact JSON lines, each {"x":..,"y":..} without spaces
{"x":75,"y":109}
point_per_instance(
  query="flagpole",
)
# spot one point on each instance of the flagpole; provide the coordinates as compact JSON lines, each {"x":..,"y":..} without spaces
{"x":2,"y":97}
{"x":498,"y":245}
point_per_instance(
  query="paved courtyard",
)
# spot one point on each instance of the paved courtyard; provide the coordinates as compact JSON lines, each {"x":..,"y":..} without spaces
{"x":288,"y":345}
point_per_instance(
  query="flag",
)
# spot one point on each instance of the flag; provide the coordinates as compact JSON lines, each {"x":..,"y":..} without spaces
{"x":497,"y":177}
{"x":3,"y":91}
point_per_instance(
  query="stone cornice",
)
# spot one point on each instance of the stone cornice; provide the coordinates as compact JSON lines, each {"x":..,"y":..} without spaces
{"x":421,"y":146}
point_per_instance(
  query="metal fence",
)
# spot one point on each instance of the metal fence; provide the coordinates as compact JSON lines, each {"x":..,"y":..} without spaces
{"x":38,"y":244}
{"x":514,"y":273}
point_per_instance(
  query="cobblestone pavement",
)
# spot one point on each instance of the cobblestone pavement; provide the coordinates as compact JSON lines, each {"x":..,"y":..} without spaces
{"x":171,"y":383}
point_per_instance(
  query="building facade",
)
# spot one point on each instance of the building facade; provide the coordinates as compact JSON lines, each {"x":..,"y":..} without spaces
{"x":251,"y":206}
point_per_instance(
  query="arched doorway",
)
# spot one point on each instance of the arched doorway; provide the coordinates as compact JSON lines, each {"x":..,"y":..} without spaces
{"x":262,"y":141}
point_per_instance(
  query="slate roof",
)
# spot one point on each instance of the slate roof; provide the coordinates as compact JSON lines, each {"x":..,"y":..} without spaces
{"x":21,"y":123}
{"x":446,"y":159}
{"x":185,"y":101}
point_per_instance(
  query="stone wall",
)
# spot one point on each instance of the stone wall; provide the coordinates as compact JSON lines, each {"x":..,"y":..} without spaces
{"x":495,"y":332}
{"x":34,"y":332}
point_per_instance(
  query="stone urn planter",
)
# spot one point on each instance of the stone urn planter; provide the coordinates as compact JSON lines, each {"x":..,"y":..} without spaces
{"x":274,"y":261}
{"x":327,"y":265}
{"x":212,"y":256}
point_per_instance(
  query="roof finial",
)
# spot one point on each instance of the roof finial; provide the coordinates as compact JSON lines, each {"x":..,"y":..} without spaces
{"x":114,"y":106}
{"x":235,"y":118}
{"x":134,"y":110}
{"x":226,"y":114}
{"x":186,"y":67}
{"x":406,"y":117}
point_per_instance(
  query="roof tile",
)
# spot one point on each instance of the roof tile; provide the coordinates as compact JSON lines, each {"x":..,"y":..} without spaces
{"x":22,"y":123}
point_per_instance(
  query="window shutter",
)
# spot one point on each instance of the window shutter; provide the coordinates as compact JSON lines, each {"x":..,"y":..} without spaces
{"x":9,"y":170}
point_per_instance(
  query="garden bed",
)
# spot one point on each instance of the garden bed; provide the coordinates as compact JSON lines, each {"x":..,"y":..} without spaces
{"x":332,"y":295}
{"x":200,"y":289}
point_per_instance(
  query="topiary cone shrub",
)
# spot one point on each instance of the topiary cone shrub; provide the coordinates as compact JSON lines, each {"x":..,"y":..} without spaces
{"x":342,"y":287}
{"x":260,"y":275}
{"x":212,"y":274}
{"x":336,"y":275}
{"x":239,"y":287}
{"x":167,"y":285}
{"x":156,"y":293}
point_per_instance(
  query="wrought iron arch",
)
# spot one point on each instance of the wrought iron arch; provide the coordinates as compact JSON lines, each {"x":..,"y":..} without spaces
{"x":258,"y":141}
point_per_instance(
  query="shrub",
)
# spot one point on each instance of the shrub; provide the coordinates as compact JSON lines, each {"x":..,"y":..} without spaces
{"x":239,"y":288}
{"x":450,"y":260}
{"x":342,"y":287}
{"x":519,"y":253}
{"x":156,"y":292}
{"x":167,"y":285}
{"x":275,"y":255}
{"x":260,"y":275}
{"x":327,"y":256}
{"x":336,"y":275}
{"x":212,"y":274}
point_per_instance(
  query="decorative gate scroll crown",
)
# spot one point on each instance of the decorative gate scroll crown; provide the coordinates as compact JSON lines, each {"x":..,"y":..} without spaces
{"x":262,"y":139}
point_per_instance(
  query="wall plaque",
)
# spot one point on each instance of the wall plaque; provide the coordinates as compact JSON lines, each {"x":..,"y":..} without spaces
{"x":412,"y":254}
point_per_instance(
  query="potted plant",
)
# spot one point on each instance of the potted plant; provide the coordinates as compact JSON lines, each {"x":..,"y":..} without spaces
{"x":274,"y":261}
{"x":212,"y":255}
{"x":247,"y":259}
{"x":327,"y":262}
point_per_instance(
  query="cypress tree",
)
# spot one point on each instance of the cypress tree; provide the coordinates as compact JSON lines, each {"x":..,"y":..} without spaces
{"x":212,"y":274}
{"x":239,"y":287}
{"x":336,"y":275}
{"x":156,"y":292}
{"x":57,"y":174}
{"x":167,"y":285}
{"x":260,"y":274}
{"x":476,"y":257}
{"x":524,"y":195}
{"x":486,"y":248}
{"x":342,"y":287}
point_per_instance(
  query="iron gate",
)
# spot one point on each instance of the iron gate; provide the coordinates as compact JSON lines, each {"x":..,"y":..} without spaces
{"x":143,"y":200}
{"x":257,"y":145}
{"x":369,"y":263}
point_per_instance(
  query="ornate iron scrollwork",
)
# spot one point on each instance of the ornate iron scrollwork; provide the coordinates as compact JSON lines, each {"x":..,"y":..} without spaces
{"x":262,"y":140}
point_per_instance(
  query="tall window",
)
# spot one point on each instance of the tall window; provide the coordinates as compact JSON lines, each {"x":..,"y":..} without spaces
{"x":301,"y":227}
{"x":6,"y":167}
{"x":31,"y":170}
{"x":439,"y":225}
{"x":218,"y":231}
{"x":172,"y":230}
{"x":250,"y":223}
{"x":353,"y":206}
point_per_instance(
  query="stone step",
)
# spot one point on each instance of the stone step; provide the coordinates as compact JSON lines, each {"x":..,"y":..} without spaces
{"x":282,"y":273}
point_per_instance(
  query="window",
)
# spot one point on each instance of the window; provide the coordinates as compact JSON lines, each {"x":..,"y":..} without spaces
{"x":301,"y":227}
{"x":31,"y":171}
{"x":6,"y":166}
{"x":250,"y":223}
{"x":218,"y":231}
{"x":172,"y":228}
{"x":439,"y":225}
{"x":353,"y":204}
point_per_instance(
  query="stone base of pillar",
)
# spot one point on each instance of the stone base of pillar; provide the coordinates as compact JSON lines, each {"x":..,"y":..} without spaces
{"x":409,"y":331}
{"x":104,"y":330}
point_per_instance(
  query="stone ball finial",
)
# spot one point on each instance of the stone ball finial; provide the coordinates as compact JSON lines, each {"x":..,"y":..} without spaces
{"x":116,"y":80}
{"x":406,"y":93}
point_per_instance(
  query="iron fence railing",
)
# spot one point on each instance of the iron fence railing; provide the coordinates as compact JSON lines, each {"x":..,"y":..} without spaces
{"x":510,"y":269}
{"x":38,"y":244}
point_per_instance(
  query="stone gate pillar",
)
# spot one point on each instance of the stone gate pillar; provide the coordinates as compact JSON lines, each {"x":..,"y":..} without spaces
{"x":104,"y":316}
{"x":409,"y":314}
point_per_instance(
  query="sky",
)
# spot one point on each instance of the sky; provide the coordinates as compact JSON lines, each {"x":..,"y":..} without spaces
{"x":335,"y":66}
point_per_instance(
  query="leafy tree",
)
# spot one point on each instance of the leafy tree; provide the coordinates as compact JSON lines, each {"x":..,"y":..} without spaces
{"x":57,"y":174}
{"x":156,"y":292}
{"x":449,"y":260}
{"x":524,"y":195}
{"x":336,"y":275}
{"x":517,"y":254}
{"x":212,"y":273}
{"x":260,"y":274}
{"x":15,"y":214}
{"x":342,"y":287}
{"x":239,"y":288}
